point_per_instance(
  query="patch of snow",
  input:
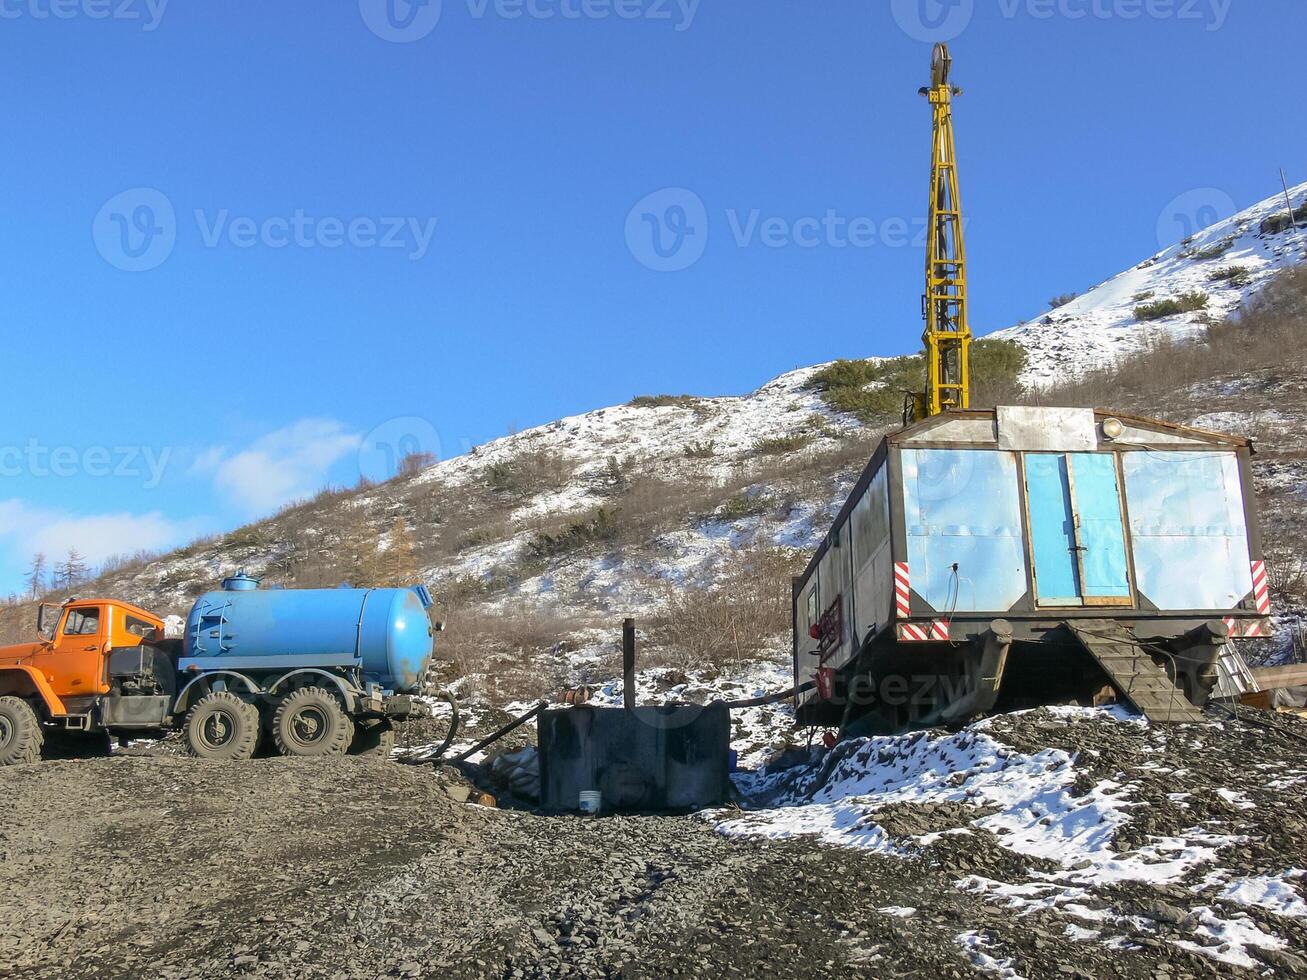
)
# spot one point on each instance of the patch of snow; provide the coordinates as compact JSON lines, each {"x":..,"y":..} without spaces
{"x":898,"y":911}
{"x":976,"y":945}
{"x":1275,"y":894}
{"x":1227,"y":940}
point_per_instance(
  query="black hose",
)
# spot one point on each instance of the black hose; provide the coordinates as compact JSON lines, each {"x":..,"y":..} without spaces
{"x":771,"y":698}
{"x":454,"y":725}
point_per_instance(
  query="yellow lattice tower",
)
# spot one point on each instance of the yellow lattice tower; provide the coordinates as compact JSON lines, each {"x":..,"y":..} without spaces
{"x":947,"y":338}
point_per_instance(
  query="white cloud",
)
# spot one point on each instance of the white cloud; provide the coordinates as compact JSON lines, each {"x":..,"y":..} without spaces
{"x":29,"y":529}
{"x":282,"y":466}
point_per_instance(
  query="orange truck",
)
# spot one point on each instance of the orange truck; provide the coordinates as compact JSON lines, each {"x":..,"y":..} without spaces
{"x":317,"y":671}
{"x":62,"y":680}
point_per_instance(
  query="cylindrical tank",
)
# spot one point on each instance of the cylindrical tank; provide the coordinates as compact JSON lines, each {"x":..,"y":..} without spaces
{"x":385,"y":632}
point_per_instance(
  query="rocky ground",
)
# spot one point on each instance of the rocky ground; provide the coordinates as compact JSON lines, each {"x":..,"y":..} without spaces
{"x":152,"y":865}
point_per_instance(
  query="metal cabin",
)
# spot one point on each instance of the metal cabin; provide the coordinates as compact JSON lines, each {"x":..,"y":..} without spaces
{"x":1000,"y":559}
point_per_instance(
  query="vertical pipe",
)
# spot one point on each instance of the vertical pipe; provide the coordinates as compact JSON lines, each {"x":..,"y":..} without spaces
{"x":628,"y":664}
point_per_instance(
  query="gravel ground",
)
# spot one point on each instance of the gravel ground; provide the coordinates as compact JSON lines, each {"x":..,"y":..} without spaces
{"x":155,"y":866}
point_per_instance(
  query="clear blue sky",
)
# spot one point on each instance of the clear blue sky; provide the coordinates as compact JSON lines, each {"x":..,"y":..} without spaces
{"x":278,"y":315}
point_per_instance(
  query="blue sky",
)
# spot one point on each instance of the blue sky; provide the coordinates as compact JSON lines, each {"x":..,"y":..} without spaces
{"x":250,"y":248}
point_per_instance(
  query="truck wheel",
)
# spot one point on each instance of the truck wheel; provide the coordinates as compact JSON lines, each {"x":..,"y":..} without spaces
{"x":20,"y":733}
{"x":222,"y":726}
{"x":374,"y":737}
{"x":311,"y":722}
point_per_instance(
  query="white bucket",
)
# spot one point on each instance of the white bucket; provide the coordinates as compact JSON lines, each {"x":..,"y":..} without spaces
{"x":591,"y":800}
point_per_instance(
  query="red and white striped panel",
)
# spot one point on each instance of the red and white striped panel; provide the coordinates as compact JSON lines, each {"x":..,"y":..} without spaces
{"x":902,"y":586}
{"x":1244,"y":627}
{"x":1261,"y":588}
{"x":924,"y":632}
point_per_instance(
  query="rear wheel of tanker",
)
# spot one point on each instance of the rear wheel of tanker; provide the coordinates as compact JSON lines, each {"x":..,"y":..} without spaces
{"x":20,"y":733}
{"x":222,"y":726}
{"x":311,"y":722}
{"x":374,"y":738}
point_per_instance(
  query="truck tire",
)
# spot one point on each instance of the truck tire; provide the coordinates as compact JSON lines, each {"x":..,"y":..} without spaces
{"x":374,"y":738}
{"x":310,"y":722}
{"x":20,"y":733}
{"x":222,"y":726}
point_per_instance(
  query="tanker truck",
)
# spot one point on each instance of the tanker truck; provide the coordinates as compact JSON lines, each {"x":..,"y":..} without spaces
{"x":315,"y":672}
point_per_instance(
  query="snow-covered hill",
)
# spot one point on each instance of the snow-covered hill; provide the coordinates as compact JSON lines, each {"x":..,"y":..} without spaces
{"x":1228,"y":262}
{"x":616,"y":511}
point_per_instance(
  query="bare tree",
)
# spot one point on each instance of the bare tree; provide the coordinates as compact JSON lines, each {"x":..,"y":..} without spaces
{"x":72,"y":571}
{"x":397,"y":565}
{"x":36,"y":576}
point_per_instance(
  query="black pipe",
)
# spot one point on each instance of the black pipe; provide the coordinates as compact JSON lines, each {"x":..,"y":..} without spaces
{"x":628,"y":664}
{"x":492,"y":739}
{"x":771,"y":698}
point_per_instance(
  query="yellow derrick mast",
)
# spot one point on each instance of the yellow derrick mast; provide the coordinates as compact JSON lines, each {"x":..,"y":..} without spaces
{"x":947,"y":338}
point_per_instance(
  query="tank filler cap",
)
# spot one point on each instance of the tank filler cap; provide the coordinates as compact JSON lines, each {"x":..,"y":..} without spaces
{"x":240,"y":582}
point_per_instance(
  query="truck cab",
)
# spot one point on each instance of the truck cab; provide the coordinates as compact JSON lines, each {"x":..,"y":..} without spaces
{"x":63,"y":676}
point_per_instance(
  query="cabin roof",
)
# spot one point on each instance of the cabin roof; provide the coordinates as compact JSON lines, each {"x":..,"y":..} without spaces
{"x":1053,"y":428}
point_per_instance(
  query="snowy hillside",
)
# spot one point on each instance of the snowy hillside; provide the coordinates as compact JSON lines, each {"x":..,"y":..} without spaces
{"x":1227,"y":262}
{"x":630,"y":509}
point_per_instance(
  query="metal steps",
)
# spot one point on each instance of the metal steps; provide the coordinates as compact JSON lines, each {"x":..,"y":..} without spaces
{"x":1133,"y":673}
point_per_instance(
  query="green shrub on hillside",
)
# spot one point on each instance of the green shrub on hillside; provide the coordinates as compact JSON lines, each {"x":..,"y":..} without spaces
{"x":1185,"y":303}
{"x":781,"y":445}
{"x":664,"y":401}
{"x":1235,"y":275}
{"x":874,"y":392}
{"x":600,"y":525}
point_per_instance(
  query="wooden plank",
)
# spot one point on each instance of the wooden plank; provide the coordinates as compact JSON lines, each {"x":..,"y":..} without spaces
{"x":1270,"y":678}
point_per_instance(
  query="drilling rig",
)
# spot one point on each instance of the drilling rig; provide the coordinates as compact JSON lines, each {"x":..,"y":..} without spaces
{"x":947,"y":338}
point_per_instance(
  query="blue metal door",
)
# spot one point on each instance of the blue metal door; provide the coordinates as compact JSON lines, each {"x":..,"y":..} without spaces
{"x":1052,"y":530}
{"x":1096,"y":498}
{"x":1077,"y":534}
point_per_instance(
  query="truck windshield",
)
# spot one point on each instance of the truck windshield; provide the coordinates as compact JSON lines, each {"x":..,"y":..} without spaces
{"x":82,"y":622}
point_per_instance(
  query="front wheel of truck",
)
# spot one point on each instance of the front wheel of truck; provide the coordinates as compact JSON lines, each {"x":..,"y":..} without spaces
{"x":20,"y":733}
{"x":222,"y":726}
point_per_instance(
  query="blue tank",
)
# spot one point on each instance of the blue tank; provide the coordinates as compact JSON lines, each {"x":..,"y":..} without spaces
{"x":384,"y":633}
